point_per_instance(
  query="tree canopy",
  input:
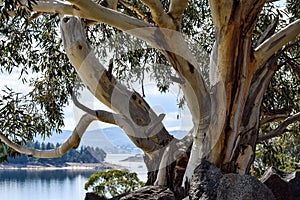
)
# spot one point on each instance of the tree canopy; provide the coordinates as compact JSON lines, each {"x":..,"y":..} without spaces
{"x":236,"y":62}
{"x":113,"y":183}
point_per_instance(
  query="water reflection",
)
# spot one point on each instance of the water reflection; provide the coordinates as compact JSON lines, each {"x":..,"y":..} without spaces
{"x":43,"y":184}
{"x":44,"y":175}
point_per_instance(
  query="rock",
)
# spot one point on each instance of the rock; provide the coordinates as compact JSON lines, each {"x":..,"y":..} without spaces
{"x":93,"y":196}
{"x":284,"y":185}
{"x":242,"y":187}
{"x":295,"y":186}
{"x":205,"y":182}
{"x":208,"y":183}
{"x":150,"y":193}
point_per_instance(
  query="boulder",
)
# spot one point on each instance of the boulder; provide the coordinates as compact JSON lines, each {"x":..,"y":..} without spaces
{"x":93,"y":196}
{"x":150,"y":193}
{"x":205,"y":181}
{"x":284,"y":185}
{"x":208,"y":183}
{"x":242,"y":187}
{"x":295,"y":186}
{"x":144,"y":193}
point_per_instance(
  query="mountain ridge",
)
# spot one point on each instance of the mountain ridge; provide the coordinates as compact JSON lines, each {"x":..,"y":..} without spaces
{"x":111,"y":139}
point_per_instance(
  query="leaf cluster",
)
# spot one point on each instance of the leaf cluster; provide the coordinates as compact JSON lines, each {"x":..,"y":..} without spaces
{"x":112,"y":183}
{"x":282,"y":97}
{"x":281,"y":152}
{"x":32,"y":49}
{"x":15,"y":7}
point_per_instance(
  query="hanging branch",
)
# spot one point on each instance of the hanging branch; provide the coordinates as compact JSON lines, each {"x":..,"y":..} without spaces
{"x":72,"y":142}
{"x":273,"y":118}
{"x":281,"y":129}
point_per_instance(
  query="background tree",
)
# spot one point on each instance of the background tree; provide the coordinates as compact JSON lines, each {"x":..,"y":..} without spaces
{"x":85,"y":155}
{"x":227,"y":107}
{"x":113,"y":183}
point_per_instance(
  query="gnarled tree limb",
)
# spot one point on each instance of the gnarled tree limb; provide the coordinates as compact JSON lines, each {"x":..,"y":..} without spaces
{"x":136,"y":10}
{"x":98,"y":13}
{"x":177,"y":8}
{"x":280,"y":129}
{"x":72,"y":142}
{"x":273,"y":118}
{"x":90,"y":10}
{"x":264,"y":51}
{"x":268,"y":32}
{"x":159,"y":15}
{"x":101,"y":115}
{"x":140,"y":118}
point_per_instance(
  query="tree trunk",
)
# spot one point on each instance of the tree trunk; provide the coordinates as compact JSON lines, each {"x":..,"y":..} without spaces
{"x":225,"y":118}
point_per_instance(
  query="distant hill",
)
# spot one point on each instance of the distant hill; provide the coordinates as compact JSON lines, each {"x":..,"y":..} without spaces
{"x":111,"y":140}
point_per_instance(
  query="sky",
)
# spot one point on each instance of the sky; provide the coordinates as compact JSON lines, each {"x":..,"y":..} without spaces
{"x":160,"y":103}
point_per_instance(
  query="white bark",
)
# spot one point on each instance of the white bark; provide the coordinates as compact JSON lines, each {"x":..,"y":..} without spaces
{"x":207,"y":140}
{"x":58,"y":7}
{"x":159,"y":16}
{"x":98,"y":13}
{"x":177,"y":8}
{"x":72,"y":142}
{"x":175,"y":150}
{"x":264,"y":51}
{"x":110,"y":92}
{"x":92,"y":11}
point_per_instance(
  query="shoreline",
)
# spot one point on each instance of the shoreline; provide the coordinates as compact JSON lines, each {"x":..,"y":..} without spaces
{"x":67,"y":166}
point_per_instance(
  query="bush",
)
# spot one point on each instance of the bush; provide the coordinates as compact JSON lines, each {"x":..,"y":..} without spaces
{"x":113,"y":183}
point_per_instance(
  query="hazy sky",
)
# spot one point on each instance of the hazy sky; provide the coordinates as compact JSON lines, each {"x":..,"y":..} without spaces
{"x":160,"y":102}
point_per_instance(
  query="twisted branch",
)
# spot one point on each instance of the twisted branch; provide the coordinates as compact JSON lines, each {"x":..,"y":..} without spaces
{"x":161,"y":18}
{"x":72,"y":142}
{"x":264,"y":51}
{"x":281,"y":129}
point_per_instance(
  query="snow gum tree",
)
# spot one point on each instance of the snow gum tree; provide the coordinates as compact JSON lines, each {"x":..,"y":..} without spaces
{"x":69,"y":40}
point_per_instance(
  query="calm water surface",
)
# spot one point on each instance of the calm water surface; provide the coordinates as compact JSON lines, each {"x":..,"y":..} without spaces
{"x":43,"y":185}
{"x":56,"y":184}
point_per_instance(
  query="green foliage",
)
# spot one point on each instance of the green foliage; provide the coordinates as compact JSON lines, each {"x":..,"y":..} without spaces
{"x":281,"y":152}
{"x":15,"y":6}
{"x":113,"y":183}
{"x":282,"y":96}
{"x":32,"y":48}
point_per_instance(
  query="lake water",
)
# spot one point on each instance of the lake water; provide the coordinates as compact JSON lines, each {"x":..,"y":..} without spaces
{"x":55,"y":184}
{"x":42,"y":184}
